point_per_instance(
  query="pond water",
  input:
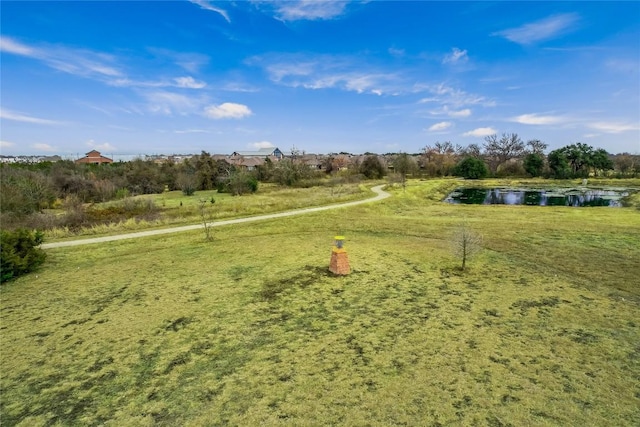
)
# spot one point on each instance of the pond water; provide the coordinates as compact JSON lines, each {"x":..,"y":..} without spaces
{"x":539,"y":197}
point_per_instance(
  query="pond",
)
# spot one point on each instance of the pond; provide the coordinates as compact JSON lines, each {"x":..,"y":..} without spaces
{"x":578,"y":197}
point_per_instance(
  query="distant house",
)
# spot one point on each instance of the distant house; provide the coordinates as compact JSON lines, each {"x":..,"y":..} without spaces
{"x":261,"y":153}
{"x":94,"y":157}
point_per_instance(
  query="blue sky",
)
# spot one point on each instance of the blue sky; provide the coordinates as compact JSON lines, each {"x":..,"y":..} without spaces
{"x":144,"y":77}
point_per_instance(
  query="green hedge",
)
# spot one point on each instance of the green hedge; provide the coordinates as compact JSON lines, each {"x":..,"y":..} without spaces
{"x":19,"y":253}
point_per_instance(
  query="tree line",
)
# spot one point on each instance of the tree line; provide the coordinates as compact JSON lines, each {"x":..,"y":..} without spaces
{"x":30,"y":188}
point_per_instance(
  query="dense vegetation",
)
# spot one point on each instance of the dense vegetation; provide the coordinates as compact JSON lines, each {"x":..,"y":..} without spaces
{"x":74,"y":191}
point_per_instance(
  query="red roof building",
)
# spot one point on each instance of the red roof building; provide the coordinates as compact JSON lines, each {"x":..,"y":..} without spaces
{"x":94,"y":157}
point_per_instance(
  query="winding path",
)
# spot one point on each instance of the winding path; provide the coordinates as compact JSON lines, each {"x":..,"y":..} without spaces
{"x":380,"y":194}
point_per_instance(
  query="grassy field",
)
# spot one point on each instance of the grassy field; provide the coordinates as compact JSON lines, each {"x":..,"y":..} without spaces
{"x":177,"y":209}
{"x":543,"y":329}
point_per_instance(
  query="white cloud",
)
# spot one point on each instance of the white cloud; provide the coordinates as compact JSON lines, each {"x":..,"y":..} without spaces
{"x":535,"y":119}
{"x":456,"y":56}
{"x":189,"y":82}
{"x":396,"y":52}
{"x":262,"y":144}
{"x":44,"y":147}
{"x":614,"y":127}
{"x":460,"y":113}
{"x":327,"y":72}
{"x":543,"y":29}
{"x":9,"y":45}
{"x":7,"y":144}
{"x":77,"y":62}
{"x":208,"y":6}
{"x":227,"y":110}
{"x":480,"y":132}
{"x":440,"y":126}
{"x":19,"y":117}
{"x":457,"y":98}
{"x":168,"y":103}
{"x":294,"y":10}
{"x":102,"y":147}
{"x":190,"y":131}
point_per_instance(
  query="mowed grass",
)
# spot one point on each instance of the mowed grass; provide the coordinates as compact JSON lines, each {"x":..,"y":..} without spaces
{"x":251,"y":329}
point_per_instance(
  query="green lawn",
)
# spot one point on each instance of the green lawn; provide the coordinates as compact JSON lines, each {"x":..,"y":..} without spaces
{"x":543,"y":329}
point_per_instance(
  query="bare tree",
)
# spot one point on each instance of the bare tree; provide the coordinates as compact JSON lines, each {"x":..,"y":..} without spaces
{"x":536,"y":146}
{"x":206,"y":217}
{"x":466,"y":243}
{"x":498,"y":151}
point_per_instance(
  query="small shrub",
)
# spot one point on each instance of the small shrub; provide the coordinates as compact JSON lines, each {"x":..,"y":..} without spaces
{"x":19,"y":253}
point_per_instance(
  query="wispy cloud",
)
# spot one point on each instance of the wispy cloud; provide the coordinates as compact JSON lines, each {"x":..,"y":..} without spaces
{"x":79,"y":62}
{"x":447,"y":95}
{"x":456,"y":56}
{"x":208,"y":6}
{"x":262,"y":144}
{"x":192,"y":62}
{"x":190,"y":131}
{"x":6,"y":144}
{"x":169,"y":103}
{"x":537,"y":119}
{"x":326,"y":72}
{"x":101,"y":66}
{"x":541,"y":30}
{"x":614,"y":127}
{"x":479,"y":132}
{"x":9,"y":45}
{"x":102,"y":147}
{"x":295,"y":10}
{"x":21,"y":117}
{"x":227,"y":110}
{"x":438,"y":127}
{"x":446,"y":111}
{"x":189,"y":82}
{"x":45,"y":147}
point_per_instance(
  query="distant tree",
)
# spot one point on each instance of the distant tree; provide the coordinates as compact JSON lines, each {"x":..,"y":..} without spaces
{"x":601,"y":161}
{"x":579,"y":156}
{"x":499,"y":151}
{"x":242,"y":182}
{"x":471,"y":150}
{"x":187,"y":182}
{"x":535,"y":146}
{"x":143,"y":177}
{"x":559,"y":164}
{"x":533,"y":164}
{"x":626,"y":163}
{"x":372,"y":168}
{"x":471,"y":168}
{"x":440,"y":159}
{"x":24,"y":191}
{"x":403,"y":165}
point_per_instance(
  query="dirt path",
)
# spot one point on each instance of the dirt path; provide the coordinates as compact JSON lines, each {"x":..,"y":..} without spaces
{"x":380,"y":194}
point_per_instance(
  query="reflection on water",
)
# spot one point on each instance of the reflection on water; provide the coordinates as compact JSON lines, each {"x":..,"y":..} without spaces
{"x":557,"y":197}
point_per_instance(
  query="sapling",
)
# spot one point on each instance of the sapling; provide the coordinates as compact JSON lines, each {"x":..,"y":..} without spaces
{"x":466,"y":243}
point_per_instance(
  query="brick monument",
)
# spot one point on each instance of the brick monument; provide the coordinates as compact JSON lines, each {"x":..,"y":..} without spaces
{"x":339,"y":260}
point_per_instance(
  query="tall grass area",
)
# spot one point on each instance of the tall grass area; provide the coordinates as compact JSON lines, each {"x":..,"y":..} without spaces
{"x":251,"y":329}
{"x":174,"y":208}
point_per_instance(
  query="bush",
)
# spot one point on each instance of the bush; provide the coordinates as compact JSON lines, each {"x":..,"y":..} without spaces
{"x":471,"y":168}
{"x":533,"y":164}
{"x":19,"y":253}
